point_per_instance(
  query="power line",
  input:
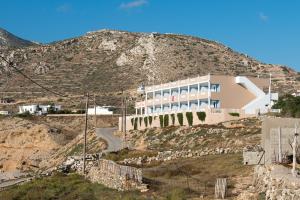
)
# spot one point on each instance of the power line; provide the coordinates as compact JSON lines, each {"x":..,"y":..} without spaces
{"x":10,"y":64}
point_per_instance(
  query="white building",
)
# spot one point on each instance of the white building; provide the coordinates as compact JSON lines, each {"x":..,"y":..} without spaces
{"x":38,"y":109}
{"x":100,"y":110}
{"x":211,"y":91}
{"x":4,"y":112}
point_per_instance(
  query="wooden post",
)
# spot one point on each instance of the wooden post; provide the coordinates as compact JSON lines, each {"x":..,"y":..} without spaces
{"x":85,"y":131}
{"x":95,"y":111}
{"x":220,"y":188}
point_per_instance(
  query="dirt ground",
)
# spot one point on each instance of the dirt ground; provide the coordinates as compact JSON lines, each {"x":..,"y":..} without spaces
{"x":29,"y":144}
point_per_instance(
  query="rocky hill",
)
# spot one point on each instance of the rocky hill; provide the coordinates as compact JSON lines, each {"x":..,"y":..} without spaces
{"x":105,"y":62}
{"x":7,"y":39}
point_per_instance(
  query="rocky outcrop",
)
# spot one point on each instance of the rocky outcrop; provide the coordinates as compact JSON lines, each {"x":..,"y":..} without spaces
{"x":277,"y":182}
{"x":273,"y":182}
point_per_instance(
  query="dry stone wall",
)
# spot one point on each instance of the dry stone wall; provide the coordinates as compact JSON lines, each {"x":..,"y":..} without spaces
{"x":117,"y":176}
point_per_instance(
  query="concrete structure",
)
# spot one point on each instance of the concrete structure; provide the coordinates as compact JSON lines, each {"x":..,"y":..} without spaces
{"x":38,"y":109}
{"x":217,"y":95}
{"x":277,"y":138}
{"x":100,"y":110}
{"x":253,"y":157}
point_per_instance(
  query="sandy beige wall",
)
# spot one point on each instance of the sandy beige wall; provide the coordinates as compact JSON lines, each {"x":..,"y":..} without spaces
{"x":231,"y":95}
{"x":212,"y":117}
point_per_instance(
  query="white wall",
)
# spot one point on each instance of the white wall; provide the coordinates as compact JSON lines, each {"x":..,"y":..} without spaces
{"x":99,"y":111}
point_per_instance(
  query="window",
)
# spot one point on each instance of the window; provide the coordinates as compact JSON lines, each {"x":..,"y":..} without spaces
{"x":166,"y":93}
{"x":215,"y":87}
{"x":193,"y":88}
{"x":183,"y":90}
{"x":215,"y":104}
{"x":157,"y":94}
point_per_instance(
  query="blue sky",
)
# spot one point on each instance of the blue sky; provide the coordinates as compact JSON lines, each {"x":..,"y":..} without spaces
{"x":267,"y":30}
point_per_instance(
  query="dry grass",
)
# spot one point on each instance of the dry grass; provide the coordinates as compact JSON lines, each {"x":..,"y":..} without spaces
{"x":196,"y":176}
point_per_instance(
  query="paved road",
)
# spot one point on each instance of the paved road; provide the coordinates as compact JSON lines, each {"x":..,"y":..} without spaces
{"x":114,"y":143}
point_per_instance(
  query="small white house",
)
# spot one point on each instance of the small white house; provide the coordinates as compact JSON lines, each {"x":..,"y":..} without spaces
{"x":100,"y":111}
{"x":4,"y":112}
{"x":38,"y":109}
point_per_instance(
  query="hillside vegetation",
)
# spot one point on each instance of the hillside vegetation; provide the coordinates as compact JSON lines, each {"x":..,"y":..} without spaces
{"x":289,"y":105}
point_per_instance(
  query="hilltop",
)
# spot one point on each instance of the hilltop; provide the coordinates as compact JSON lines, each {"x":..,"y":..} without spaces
{"x":7,"y":39}
{"x":106,"y":61}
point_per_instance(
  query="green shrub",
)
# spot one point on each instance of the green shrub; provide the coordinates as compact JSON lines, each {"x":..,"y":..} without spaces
{"x":150,"y":120}
{"x":201,"y":116}
{"x":135,"y":123}
{"x":24,"y":115}
{"x":189,"y":117}
{"x":235,"y":114}
{"x":180,"y":118}
{"x":173,"y":119}
{"x":166,"y":120}
{"x":161,"y":121}
{"x":146,"y":121}
{"x":132,"y":121}
{"x":140,"y":119}
{"x":289,"y":105}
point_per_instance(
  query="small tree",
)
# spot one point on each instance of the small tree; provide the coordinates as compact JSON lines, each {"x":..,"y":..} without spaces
{"x":180,"y":118}
{"x":189,"y":117}
{"x":146,"y":121}
{"x":201,"y":116}
{"x":132,"y":121}
{"x":135,"y":123}
{"x":161,"y":121}
{"x":173,"y":119}
{"x":150,"y":120}
{"x":166,"y":120}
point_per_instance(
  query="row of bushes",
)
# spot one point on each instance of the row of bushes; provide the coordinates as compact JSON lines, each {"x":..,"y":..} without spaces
{"x":147,"y":120}
{"x":164,"y":120}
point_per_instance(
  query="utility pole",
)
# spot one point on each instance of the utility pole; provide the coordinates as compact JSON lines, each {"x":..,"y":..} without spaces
{"x":122,"y":108}
{"x":125,"y":115}
{"x":294,"y":152}
{"x":279,"y":146}
{"x":85,"y":130}
{"x":95,"y":111}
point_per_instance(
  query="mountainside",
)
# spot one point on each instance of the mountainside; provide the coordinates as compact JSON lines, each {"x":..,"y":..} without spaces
{"x":7,"y":39}
{"x":105,"y":62}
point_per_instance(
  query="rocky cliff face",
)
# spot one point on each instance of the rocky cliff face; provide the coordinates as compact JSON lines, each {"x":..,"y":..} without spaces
{"x":106,"y":61}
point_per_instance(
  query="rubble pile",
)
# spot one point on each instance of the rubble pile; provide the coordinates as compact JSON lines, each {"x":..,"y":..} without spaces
{"x":173,"y":155}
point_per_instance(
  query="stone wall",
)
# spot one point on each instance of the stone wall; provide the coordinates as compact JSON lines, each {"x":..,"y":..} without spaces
{"x":116,"y":176}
